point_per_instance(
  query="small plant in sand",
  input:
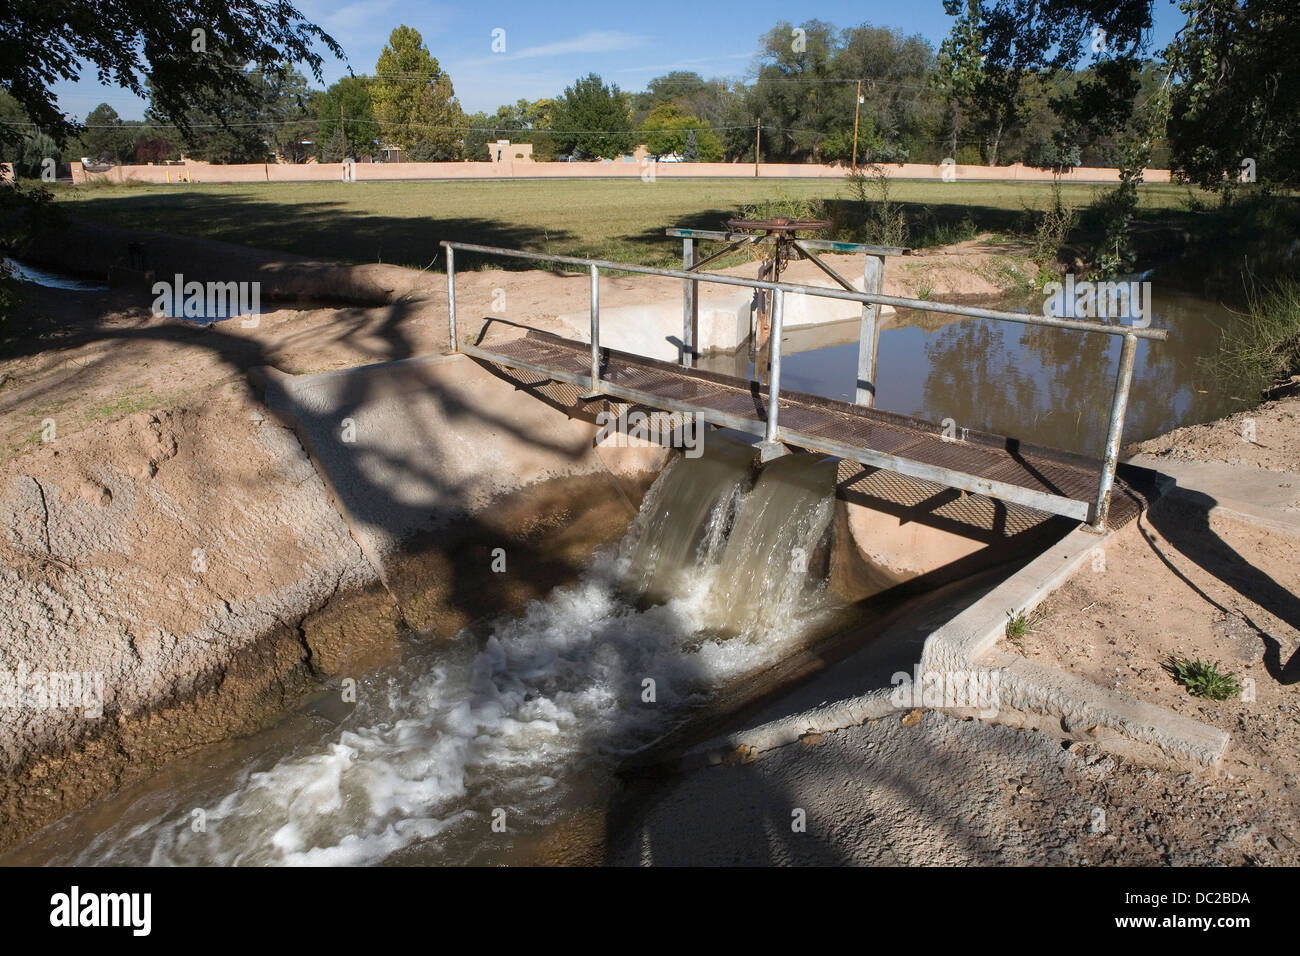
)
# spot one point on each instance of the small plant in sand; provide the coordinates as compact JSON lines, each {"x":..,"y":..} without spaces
{"x":1203,"y":678}
{"x":1020,"y":624}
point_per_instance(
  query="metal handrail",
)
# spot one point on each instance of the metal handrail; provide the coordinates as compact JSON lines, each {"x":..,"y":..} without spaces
{"x":1101,"y":506}
{"x":866,"y":298}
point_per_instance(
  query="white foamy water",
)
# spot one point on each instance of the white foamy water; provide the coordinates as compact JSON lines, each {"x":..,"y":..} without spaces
{"x":517,"y":720}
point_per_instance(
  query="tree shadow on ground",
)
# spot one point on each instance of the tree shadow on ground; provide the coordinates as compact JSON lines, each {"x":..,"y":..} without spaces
{"x":317,"y":229}
{"x":1186,"y":525}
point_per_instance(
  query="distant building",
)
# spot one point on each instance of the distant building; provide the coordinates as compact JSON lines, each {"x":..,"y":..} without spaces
{"x":504,"y":151}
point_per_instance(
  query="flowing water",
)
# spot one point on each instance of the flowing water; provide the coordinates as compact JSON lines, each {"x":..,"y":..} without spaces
{"x":715,"y":580}
{"x":53,"y":280}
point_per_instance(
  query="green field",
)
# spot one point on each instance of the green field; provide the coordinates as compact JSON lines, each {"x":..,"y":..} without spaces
{"x":402,"y":222}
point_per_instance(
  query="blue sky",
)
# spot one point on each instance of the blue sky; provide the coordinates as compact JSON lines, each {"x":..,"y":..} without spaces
{"x":550,"y":43}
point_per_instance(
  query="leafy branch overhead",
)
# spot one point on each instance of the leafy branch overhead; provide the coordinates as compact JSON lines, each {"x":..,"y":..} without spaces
{"x":152,"y":50}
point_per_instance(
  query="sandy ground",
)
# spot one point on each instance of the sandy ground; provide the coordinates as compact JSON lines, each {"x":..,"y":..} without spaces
{"x":1264,"y":438}
{"x":947,"y":792}
{"x":1187,"y":583}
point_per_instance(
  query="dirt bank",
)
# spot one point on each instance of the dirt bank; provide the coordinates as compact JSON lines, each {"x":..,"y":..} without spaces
{"x":1196,"y":583}
{"x":187,"y":559}
{"x":1266,"y":438}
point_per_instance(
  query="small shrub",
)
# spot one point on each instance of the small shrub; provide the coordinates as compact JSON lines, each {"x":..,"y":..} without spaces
{"x":1259,"y":350}
{"x":1053,"y":228}
{"x":1203,"y":679}
{"x":925,"y":286}
{"x":886,"y":222}
{"x":1011,"y":276}
{"x":791,"y":207}
{"x":1020,"y":624}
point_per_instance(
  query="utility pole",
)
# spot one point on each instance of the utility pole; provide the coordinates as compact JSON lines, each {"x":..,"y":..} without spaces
{"x":857,"y":107}
{"x":344,"y":130}
{"x":758,"y":132}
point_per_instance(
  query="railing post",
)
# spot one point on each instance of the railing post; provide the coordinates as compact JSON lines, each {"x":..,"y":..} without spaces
{"x":869,"y":332}
{"x":451,"y":298}
{"x":690,"y":305}
{"x":595,"y":330}
{"x":770,"y":447}
{"x":1101,"y":510}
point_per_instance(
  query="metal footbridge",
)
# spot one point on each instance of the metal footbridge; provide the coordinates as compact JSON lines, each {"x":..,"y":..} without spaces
{"x":1046,"y":479}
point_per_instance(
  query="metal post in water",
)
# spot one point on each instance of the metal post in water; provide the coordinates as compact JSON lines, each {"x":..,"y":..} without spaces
{"x":595,"y":330}
{"x":770,"y":447}
{"x":451,"y":298}
{"x":690,"y":305}
{"x":1101,"y":510}
{"x":869,"y":332}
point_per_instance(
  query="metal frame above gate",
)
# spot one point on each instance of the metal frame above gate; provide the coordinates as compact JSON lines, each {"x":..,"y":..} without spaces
{"x":873,"y":277}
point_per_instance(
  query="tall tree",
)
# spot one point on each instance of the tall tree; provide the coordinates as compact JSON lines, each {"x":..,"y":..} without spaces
{"x":679,"y":88}
{"x":348,"y":98}
{"x":669,"y":129}
{"x":899,"y":107}
{"x":792,"y":97}
{"x":593,"y":120}
{"x":106,"y":138}
{"x":1022,"y":37}
{"x":995,"y":45}
{"x":290,"y":116}
{"x":273,"y":119}
{"x":414,"y":100}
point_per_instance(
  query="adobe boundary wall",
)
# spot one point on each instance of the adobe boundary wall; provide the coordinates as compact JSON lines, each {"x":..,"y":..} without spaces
{"x":193,"y":172}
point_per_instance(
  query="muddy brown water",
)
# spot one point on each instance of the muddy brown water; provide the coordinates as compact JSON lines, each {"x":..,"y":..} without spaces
{"x":1042,"y":385}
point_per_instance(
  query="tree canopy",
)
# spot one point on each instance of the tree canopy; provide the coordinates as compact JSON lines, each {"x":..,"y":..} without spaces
{"x":193,"y":54}
{"x":414,"y":101}
{"x":350,"y":100}
{"x":1237,"y":96}
{"x":593,"y":119}
{"x":669,"y":129}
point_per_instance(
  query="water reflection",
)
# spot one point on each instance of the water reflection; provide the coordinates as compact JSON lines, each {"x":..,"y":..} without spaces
{"x":1043,"y":385}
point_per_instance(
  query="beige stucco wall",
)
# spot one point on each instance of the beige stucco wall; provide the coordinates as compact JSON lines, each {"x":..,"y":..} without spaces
{"x":527,"y":169}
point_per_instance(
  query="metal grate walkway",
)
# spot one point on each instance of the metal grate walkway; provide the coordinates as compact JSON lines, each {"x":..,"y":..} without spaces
{"x":1046,"y":479}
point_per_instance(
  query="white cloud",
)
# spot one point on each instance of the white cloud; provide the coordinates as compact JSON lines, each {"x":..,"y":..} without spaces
{"x":595,"y":41}
{"x":692,"y":64}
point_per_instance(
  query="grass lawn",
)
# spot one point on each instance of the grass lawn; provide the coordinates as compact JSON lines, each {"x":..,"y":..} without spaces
{"x":402,"y":222}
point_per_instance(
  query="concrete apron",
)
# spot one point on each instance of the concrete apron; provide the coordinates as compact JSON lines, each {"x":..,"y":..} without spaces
{"x":1266,"y":499}
{"x":959,"y":637}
